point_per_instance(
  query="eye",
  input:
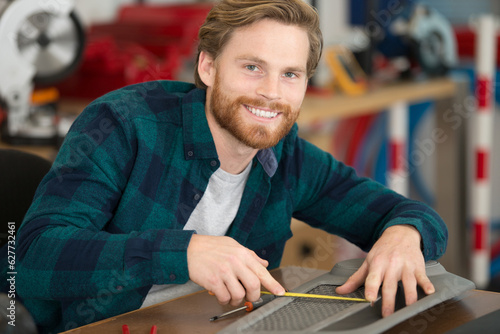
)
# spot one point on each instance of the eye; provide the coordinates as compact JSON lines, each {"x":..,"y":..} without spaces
{"x":290,"y":75}
{"x":251,"y":67}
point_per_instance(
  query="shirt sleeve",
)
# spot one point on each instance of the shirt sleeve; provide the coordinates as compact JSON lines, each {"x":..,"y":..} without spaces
{"x":63,"y":248}
{"x":331,"y":196}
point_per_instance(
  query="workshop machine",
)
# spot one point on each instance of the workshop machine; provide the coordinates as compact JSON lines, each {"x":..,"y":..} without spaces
{"x":430,"y":36}
{"x":412,"y":33}
{"x":41,"y":43}
{"x":285,"y":315}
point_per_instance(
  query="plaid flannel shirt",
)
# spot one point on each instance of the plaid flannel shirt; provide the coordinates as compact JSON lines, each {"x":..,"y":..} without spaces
{"x":107,"y":221}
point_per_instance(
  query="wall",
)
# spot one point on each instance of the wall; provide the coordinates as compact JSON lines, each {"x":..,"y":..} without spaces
{"x":103,"y":11}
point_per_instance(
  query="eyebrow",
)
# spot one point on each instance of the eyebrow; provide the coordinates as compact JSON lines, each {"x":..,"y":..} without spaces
{"x":260,"y":61}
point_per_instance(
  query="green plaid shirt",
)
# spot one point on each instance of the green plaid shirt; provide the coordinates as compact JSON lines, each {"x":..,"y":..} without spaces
{"x":107,"y":221}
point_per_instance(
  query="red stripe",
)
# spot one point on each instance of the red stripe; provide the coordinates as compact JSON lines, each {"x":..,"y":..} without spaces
{"x":482,"y":158}
{"x":396,"y":156}
{"x":484,"y":90}
{"x":480,"y":234}
{"x":360,"y":132}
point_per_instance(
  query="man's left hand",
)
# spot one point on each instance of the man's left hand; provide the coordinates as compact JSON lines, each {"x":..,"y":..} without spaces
{"x":396,"y":256}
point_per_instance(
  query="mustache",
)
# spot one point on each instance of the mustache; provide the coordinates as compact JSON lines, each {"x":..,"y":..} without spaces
{"x":274,"y":106}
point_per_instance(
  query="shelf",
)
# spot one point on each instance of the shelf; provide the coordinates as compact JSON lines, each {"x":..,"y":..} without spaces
{"x":317,"y":108}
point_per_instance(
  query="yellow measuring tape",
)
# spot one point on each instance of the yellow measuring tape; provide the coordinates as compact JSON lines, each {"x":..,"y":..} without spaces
{"x":307,"y":295}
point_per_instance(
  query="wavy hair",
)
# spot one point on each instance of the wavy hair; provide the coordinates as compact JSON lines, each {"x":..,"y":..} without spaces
{"x":227,"y":15}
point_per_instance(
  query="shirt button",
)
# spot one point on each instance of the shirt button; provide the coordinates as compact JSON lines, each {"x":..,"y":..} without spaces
{"x":119,"y":288}
{"x":197,"y":197}
{"x":213,"y":163}
{"x":172,"y":277}
{"x":190,"y":153}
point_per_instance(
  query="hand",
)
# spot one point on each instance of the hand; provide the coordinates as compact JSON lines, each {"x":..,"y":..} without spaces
{"x":395,"y":256}
{"x":229,"y":270}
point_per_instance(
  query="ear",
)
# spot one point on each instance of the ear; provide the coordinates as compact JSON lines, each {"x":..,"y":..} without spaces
{"x":206,"y":69}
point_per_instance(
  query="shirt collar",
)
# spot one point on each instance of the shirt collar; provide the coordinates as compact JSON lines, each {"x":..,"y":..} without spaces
{"x":268,"y":160}
{"x":198,"y":140}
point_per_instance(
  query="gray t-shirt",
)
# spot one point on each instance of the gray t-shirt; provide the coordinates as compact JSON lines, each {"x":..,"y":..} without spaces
{"x":213,"y":215}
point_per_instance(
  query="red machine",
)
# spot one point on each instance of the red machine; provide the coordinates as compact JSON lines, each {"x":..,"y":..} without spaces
{"x":145,"y":43}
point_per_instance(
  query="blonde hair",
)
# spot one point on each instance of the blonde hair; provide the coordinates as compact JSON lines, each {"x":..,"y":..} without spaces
{"x":227,"y":15}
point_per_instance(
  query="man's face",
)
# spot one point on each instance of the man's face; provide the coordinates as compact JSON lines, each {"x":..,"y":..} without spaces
{"x":259,"y":82}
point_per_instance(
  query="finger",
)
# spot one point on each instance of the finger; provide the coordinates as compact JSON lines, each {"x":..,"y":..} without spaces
{"x":221,"y":293}
{"x":424,"y":282}
{"x":225,"y":285}
{"x":410,"y":288}
{"x":263,"y":262}
{"x":252,"y":285}
{"x":243,"y":280}
{"x":272,"y":285}
{"x":389,"y":289}
{"x":355,"y":281}
{"x":236,"y":291}
{"x":372,"y":284}
{"x":267,"y":280}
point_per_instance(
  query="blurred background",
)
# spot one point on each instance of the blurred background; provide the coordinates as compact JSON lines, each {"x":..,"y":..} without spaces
{"x":396,"y":96}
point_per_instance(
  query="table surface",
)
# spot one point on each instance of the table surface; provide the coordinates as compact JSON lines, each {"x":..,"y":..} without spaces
{"x":191,"y":314}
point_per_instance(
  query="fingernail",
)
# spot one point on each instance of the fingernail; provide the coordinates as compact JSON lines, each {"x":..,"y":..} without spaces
{"x":280,"y":292}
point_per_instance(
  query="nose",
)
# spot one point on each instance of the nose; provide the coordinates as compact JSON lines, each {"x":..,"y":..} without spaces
{"x":269,"y":88}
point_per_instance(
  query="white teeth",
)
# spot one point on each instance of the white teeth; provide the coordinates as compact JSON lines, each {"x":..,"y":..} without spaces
{"x":262,"y":113}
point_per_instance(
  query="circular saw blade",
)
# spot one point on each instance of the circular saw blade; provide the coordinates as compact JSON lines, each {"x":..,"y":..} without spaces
{"x":53,"y":44}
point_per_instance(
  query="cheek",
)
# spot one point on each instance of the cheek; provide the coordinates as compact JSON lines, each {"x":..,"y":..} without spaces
{"x":244,"y":87}
{"x":235,"y":84}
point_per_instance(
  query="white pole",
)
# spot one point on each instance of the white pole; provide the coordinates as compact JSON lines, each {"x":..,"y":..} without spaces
{"x":480,"y":201}
{"x":398,"y":148}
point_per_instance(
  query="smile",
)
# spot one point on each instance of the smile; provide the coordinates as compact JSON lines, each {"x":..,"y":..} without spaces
{"x":262,"y":113}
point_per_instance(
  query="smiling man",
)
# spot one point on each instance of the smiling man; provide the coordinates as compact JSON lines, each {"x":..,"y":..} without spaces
{"x":256,"y":86}
{"x":163,"y":188}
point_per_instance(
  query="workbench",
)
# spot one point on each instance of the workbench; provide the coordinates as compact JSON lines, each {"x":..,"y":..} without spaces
{"x":191,"y":313}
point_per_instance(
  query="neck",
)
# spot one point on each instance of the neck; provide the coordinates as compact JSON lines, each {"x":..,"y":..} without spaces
{"x":234,"y":156}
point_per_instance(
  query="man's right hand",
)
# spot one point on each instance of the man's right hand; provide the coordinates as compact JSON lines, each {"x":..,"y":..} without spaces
{"x":229,"y":270}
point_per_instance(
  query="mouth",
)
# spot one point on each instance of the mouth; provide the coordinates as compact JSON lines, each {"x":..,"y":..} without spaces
{"x":262,"y":113}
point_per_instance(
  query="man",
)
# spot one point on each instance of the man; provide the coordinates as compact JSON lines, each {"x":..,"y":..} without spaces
{"x":163,"y":183}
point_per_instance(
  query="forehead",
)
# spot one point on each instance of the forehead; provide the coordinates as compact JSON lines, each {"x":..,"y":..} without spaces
{"x":272,"y":41}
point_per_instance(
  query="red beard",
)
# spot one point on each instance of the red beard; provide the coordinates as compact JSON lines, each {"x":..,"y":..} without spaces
{"x":227,"y":114}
